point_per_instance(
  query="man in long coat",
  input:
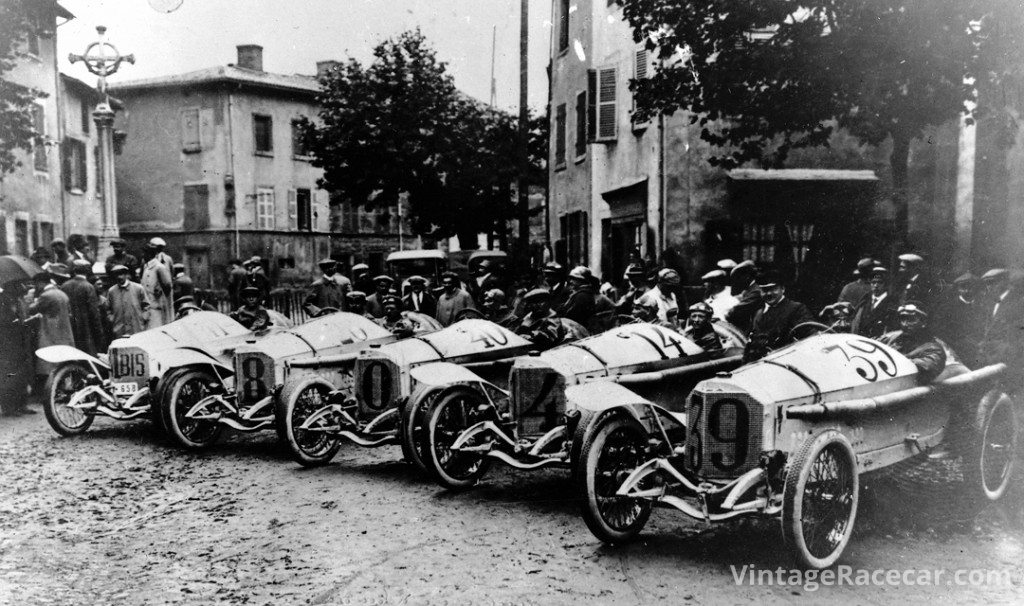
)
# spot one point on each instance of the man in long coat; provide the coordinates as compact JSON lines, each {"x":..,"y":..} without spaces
{"x":750,"y":296}
{"x":158,"y":284}
{"x":129,"y":305}
{"x":325,"y":292}
{"x":16,"y":354}
{"x":452,"y":300}
{"x":86,"y":324}
{"x":876,"y":311}
{"x":52,"y":312}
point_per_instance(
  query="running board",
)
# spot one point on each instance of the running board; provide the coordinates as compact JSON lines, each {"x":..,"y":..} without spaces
{"x":504,"y":457}
{"x":361,"y":441}
{"x":235,"y":424}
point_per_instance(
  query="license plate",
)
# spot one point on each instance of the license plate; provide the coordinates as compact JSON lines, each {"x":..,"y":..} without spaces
{"x":125,"y":389}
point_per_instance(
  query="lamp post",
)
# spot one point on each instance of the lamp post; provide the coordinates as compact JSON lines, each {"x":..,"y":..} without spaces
{"x":102,"y":59}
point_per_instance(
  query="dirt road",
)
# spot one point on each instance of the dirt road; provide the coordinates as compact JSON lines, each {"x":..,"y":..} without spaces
{"x":117,"y":516}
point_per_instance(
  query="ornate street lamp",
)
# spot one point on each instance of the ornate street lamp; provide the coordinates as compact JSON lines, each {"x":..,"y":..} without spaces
{"x":102,"y":59}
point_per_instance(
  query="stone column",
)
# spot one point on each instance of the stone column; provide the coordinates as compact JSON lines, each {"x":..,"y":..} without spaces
{"x":103,"y":116}
{"x":963,"y":209}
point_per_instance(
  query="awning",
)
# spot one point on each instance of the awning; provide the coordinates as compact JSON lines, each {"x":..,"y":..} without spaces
{"x":801,"y":174}
{"x":628,"y":200}
{"x":625,"y":189}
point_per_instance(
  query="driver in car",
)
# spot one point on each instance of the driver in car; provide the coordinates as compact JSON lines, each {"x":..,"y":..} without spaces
{"x":252,"y":314}
{"x":916,"y":341}
{"x":393,"y":319}
{"x":699,"y":329}
{"x":540,"y":325}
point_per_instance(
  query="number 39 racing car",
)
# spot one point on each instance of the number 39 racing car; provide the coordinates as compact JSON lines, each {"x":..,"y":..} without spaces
{"x":459,"y":422}
{"x":316,"y":414}
{"x":125,"y":384}
{"x":787,"y":437}
{"x":201,"y":400}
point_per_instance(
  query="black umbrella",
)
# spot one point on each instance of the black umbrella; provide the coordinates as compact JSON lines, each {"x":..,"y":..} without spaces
{"x":16,"y":267}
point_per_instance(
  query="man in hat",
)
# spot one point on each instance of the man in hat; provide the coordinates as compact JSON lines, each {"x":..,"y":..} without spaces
{"x":636,"y":287}
{"x":355,"y":302}
{"x":663,"y":295}
{"x":916,"y":341}
{"x":750,"y":297}
{"x":16,"y":355}
{"x":646,"y":311}
{"x":875,"y":313}
{"x":1004,"y":325}
{"x":718,"y":294}
{"x":120,"y":257}
{"x":325,"y":292}
{"x":159,"y":244}
{"x":726,"y":265}
{"x":185,"y":306}
{"x":579,"y":307}
{"x":84,"y":306}
{"x":60,"y":251}
{"x":854,"y":291}
{"x":361,"y":278}
{"x":375,"y":302}
{"x":914,"y":283}
{"x":418,"y":299}
{"x":838,"y":316}
{"x":699,"y":328}
{"x":961,"y":321}
{"x":237,"y":278}
{"x":555,"y":284}
{"x":496,"y":311}
{"x":252,"y":314}
{"x":258,"y":279}
{"x":393,"y":319}
{"x":182,"y":284}
{"x":43,"y":256}
{"x":59,"y":273}
{"x":452,"y":300}
{"x":129,"y":306}
{"x":775,"y":321}
{"x":158,"y":284}
{"x":51,"y":311}
{"x":78,"y":249}
{"x":483,"y":280}
{"x":541,"y":326}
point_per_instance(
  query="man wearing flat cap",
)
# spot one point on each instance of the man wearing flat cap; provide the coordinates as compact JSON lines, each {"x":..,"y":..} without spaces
{"x":325,"y":292}
{"x":452,"y":300}
{"x":636,"y":287}
{"x":361,"y":278}
{"x":418,"y":299}
{"x":916,"y":341}
{"x":699,"y":328}
{"x":382,"y":285}
{"x":120,"y":257}
{"x":579,"y":307}
{"x":258,"y":279}
{"x":853,"y":292}
{"x":750,"y":297}
{"x":156,"y":279}
{"x":355,"y":302}
{"x":541,"y":326}
{"x":1002,"y":339}
{"x":252,"y":314}
{"x":159,"y":244}
{"x":961,"y":320}
{"x":717,"y":293}
{"x":394,"y":319}
{"x":496,"y":311}
{"x":129,"y":305}
{"x":84,"y":305}
{"x":663,"y":295}
{"x":914,"y":281}
{"x":182,"y":282}
{"x":875,"y":314}
{"x":775,"y":321}
{"x":555,"y":283}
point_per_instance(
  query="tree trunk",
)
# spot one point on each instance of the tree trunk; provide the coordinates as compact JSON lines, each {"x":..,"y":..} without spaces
{"x":523,"y":203}
{"x":900,"y":194}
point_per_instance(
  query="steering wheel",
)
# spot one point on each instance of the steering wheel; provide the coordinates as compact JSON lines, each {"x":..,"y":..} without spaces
{"x":323,"y":311}
{"x":817,"y":326}
{"x":469,"y":314}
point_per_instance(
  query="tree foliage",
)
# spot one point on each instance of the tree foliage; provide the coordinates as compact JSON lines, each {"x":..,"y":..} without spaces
{"x":18,"y":18}
{"x":399,"y":125}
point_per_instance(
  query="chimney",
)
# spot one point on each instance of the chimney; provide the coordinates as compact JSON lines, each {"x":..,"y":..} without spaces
{"x":322,"y":67}
{"x":250,"y":56}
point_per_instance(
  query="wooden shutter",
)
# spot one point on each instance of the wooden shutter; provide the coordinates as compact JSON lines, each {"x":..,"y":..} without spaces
{"x":591,"y":105}
{"x":560,"y":135}
{"x":293,"y":209}
{"x":640,"y":72}
{"x":581,"y":124}
{"x":606,"y":110}
{"x":190,"y":141}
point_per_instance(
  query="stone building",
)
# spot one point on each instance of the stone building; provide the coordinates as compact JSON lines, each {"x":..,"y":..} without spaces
{"x":616,"y":186}
{"x":215,"y":166}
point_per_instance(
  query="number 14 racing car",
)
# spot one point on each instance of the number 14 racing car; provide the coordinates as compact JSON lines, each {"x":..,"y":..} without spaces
{"x":787,"y":437}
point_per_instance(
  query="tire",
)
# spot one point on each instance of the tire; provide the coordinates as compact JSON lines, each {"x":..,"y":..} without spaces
{"x":990,"y":456}
{"x":820,"y":499}
{"x":62,"y":383}
{"x":183,"y":390}
{"x":449,"y":414}
{"x":579,"y":437}
{"x":298,"y":400}
{"x":615,"y":446}
{"x":414,"y":428}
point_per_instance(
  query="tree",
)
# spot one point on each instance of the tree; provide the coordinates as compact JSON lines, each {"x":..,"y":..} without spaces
{"x":763,"y":78}
{"x":18,"y":18}
{"x":399,"y":125}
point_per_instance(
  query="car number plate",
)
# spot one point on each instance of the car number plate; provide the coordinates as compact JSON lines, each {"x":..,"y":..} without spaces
{"x":125,"y":389}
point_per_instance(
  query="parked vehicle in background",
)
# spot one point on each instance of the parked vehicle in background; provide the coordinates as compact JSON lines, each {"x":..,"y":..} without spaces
{"x":430,"y":264}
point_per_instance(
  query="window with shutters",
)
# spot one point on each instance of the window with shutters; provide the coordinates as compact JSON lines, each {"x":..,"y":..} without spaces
{"x":641,"y":67}
{"x":575,"y":233}
{"x":265,"y":208}
{"x":21,"y":242}
{"x":304,"y":206}
{"x":299,"y":148}
{"x":293,"y":210}
{"x":563,"y":26}
{"x":190,"y":141}
{"x":46,"y":232}
{"x":581,"y":124}
{"x":263,"y":134}
{"x":560,"y":136}
{"x":40,"y":158}
{"x":76,"y":175}
{"x":601,"y":86}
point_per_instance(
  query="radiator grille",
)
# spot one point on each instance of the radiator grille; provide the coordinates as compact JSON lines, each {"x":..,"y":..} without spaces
{"x":538,"y":398}
{"x":255,"y":376}
{"x":377,"y":384}
{"x":724,"y":438}
{"x":129,"y":364}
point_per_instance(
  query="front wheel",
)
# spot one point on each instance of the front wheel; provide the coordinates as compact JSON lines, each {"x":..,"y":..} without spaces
{"x":820,"y":499}
{"x":615,"y":447}
{"x":184,"y":390}
{"x":414,"y":427}
{"x":990,"y":458}
{"x":300,"y":400}
{"x":449,"y":415}
{"x":61,"y":385}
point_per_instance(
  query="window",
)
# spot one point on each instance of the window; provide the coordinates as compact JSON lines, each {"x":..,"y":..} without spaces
{"x":581,"y":124}
{"x":601,"y":83}
{"x":196,"y":203}
{"x":286,"y":262}
{"x":575,"y":233}
{"x":265,"y":208}
{"x":32,"y":43}
{"x":40,"y":158}
{"x":21,"y":243}
{"x":305,"y":208}
{"x":563,"y":25}
{"x":190,"y":138}
{"x":76,"y":175}
{"x":263,"y":134}
{"x":560,"y":136}
{"x":759,"y":242}
{"x":86,"y":116}
{"x":299,"y":148}
{"x":46,"y":233}
{"x":640,"y":72}
{"x":349,"y":217}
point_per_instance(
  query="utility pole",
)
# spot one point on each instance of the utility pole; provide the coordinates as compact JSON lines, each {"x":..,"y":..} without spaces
{"x":523,"y":206}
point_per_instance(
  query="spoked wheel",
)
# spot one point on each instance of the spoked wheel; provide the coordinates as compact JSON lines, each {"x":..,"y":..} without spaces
{"x":183,"y":391}
{"x":449,"y":415}
{"x":298,"y":402}
{"x":990,"y":458}
{"x":414,"y":428}
{"x":820,"y":499}
{"x":61,"y":385}
{"x":615,"y":447}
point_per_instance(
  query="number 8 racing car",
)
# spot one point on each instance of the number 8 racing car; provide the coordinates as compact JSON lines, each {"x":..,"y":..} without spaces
{"x":787,"y":437}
